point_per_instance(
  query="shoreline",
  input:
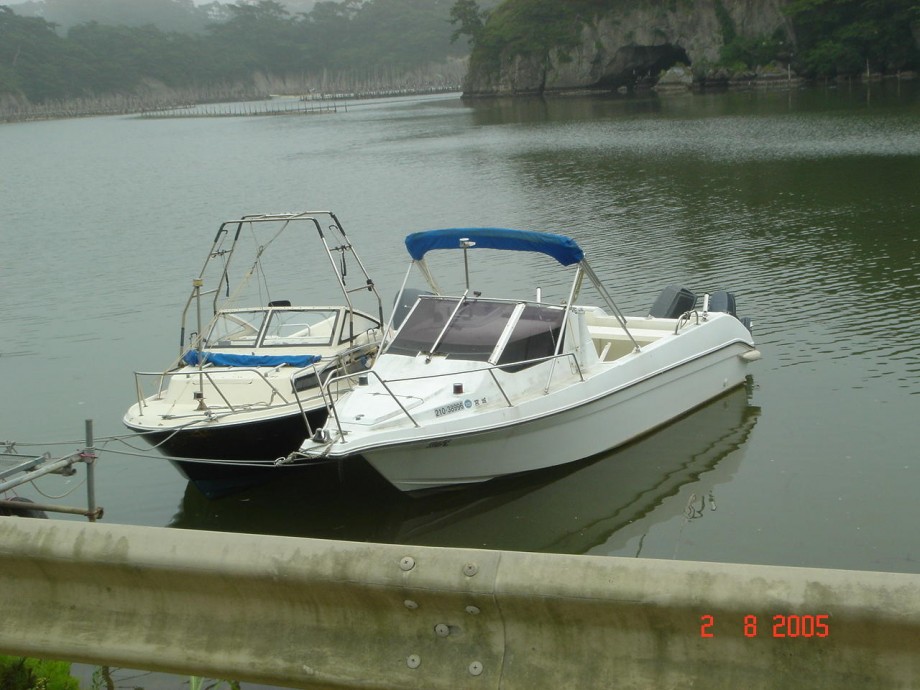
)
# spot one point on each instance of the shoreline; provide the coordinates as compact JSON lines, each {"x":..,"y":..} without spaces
{"x":132,"y":105}
{"x":666,"y":88}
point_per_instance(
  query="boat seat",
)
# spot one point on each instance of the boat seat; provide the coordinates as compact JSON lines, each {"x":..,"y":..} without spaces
{"x":612,"y":342}
{"x":646,"y":335}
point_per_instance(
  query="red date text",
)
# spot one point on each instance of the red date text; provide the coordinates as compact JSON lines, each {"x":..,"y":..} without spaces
{"x":782,"y":625}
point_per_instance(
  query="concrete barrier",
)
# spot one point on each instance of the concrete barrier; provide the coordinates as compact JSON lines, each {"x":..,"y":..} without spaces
{"x":311,"y":613}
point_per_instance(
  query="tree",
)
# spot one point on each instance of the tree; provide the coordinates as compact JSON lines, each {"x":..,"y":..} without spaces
{"x":260,"y":36}
{"x":398,"y":34}
{"x":387,"y":38}
{"x":166,"y":15}
{"x":840,"y":37}
{"x":471,"y":19}
{"x":33,"y":58}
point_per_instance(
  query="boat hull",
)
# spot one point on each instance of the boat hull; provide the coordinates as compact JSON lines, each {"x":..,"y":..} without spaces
{"x":544,"y":440}
{"x":233,"y":457}
{"x":219,"y":479}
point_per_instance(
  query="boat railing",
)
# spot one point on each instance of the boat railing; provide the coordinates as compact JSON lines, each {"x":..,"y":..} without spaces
{"x":491,"y":369}
{"x":333,"y":240}
{"x":339,"y":361}
{"x":684,"y":319}
{"x":164,"y":376}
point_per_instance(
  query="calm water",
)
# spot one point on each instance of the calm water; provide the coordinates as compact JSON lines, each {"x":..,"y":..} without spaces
{"x":805,"y":204}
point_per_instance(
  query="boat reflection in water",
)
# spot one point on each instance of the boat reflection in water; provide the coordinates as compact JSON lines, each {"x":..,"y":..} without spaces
{"x":594,"y":506}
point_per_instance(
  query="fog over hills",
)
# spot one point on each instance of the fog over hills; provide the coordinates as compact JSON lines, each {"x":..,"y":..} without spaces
{"x":168,"y":15}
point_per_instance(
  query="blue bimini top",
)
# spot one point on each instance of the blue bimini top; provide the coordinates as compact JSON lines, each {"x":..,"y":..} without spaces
{"x":563,"y":249}
{"x":222,"y":359}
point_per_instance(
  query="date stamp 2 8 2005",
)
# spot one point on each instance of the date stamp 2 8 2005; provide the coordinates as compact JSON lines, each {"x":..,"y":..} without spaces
{"x":780,"y":625}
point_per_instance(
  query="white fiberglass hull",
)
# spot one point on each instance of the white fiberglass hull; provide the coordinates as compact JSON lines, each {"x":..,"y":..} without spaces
{"x":559,"y":438}
{"x":585,"y":418}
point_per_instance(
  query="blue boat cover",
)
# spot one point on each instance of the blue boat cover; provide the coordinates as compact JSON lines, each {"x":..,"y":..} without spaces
{"x":221,"y":359}
{"x":563,"y":249}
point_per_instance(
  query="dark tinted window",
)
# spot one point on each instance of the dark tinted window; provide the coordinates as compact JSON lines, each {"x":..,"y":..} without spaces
{"x":472,"y":334}
{"x":535,"y":335}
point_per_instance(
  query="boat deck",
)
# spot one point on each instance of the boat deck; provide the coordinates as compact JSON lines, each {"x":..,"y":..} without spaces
{"x":612,"y":341}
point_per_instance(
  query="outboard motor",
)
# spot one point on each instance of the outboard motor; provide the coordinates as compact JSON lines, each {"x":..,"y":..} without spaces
{"x":673,"y":301}
{"x":725,"y":302}
{"x":403,"y":304}
{"x":722,"y":301}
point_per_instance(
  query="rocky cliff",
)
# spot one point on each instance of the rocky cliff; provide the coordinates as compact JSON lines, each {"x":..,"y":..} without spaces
{"x":632,"y":44}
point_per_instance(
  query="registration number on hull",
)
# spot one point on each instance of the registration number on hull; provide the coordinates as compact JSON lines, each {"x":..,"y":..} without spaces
{"x":448,"y":409}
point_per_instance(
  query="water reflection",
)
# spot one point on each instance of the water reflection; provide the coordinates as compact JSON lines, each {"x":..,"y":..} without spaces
{"x":779,"y":207}
{"x":743,"y":191}
{"x":598,"y":505}
{"x":708,"y":105}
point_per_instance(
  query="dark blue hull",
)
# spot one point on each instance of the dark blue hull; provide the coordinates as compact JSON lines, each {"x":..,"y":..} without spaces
{"x":234,"y":458}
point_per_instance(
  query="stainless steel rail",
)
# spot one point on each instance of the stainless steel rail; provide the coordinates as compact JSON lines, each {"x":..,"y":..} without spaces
{"x":163,"y":375}
{"x":340,"y":360}
{"x":490,"y":369}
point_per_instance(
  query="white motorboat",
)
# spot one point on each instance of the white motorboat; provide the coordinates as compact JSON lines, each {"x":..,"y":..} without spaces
{"x":467,"y":388}
{"x":244,"y":389}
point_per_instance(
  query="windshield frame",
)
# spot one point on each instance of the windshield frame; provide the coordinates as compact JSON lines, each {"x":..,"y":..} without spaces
{"x":475,"y":329}
{"x":261,"y":337}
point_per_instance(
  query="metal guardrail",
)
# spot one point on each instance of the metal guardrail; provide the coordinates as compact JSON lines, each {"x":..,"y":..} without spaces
{"x":309,"y":613}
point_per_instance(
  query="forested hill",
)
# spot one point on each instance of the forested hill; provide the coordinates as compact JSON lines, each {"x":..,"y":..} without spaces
{"x":224,"y":48}
{"x":539,"y":46}
{"x":176,"y":49}
{"x":166,"y":15}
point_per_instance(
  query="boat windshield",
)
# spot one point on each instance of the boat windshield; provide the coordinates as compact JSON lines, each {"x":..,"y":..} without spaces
{"x":236,"y":328}
{"x":477,"y":328}
{"x":288,"y":327}
{"x":268,"y":327}
{"x":535,"y":335}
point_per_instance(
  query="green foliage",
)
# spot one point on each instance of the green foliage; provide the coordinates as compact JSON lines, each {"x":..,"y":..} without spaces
{"x":729,"y":33}
{"x":263,"y":37}
{"x":17,"y":673}
{"x":834,"y":36}
{"x":25,"y":44}
{"x":397,"y":33}
{"x":531,"y":28}
{"x":166,"y":15}
{"x":745,"y":52}
{"x":199,"y":683}
{"x":755,"y":51}
{"x":843,"y":37}
{"x":95,"y":59}
{"x":471,"y":20}
{"x":40,"y":63}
